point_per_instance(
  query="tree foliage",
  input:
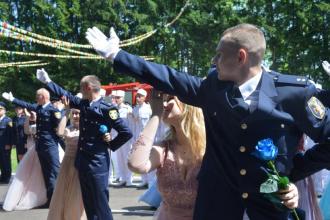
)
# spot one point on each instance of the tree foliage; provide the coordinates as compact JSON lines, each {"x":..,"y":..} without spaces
{"x":297,"y":34}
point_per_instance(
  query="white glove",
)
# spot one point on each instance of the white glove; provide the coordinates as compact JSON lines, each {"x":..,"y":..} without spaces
{"x":8,"y":96}
{"x":326,"y":67}
{"x":42,"y":76}
{"x":106,"y":47}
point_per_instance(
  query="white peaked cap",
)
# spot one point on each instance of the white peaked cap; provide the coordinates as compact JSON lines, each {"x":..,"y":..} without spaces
{"x":142,"y":92}
{"x":114,"y":93}
{"x":120,"y":93}
{"x":102,"y":92}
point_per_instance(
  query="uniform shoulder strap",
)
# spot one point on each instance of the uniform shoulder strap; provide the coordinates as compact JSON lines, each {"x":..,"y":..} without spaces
{"x":289,"y":80}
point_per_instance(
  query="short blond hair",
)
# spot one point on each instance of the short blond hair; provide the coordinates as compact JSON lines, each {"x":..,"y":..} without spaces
{"x":92,"y":81}
{"x":44,"y":92}
{"x":249,"y":37}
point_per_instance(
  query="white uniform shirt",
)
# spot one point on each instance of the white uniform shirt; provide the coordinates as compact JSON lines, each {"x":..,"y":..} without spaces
{"x":141,"y":114}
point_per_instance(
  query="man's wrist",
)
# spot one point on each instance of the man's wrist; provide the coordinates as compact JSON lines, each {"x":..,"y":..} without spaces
{"x":112,"y":56}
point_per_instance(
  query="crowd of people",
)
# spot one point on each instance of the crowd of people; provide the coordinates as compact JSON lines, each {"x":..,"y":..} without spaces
{"x":204,"y":164}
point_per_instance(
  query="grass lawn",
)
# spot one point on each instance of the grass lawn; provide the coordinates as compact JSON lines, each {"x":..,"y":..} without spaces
{"x":13,"y":160}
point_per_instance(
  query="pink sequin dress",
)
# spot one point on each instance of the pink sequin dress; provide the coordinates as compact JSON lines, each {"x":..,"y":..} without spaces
{"x":178,"y":191}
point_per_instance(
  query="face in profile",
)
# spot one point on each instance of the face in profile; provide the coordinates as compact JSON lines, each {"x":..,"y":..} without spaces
{"x":173,"y":109}
{"x":84,"y":90}
{"x":225,"y":61}
{"x":40,"y":98}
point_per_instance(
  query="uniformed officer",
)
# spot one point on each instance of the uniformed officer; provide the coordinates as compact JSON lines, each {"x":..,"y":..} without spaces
{"x":6,"y":135}
{"x":92,"y":159}
{"x":242,"y":104}
{"x":48,"y":118}
{"x":125,"y":113}
{"x":19,"y":137}
{"x":141,"y":115}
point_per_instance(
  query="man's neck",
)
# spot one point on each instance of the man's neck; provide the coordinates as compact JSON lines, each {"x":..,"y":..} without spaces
{"x":45,"y":104}
{"x":251,"y":72}
{"x":94,"y":97}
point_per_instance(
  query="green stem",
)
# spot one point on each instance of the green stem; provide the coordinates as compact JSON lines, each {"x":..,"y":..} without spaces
{"x":295,"y":214}
{"x":272,"y":166}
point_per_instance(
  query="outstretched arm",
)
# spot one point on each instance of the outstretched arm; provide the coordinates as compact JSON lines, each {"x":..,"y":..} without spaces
{"x":162,"y":77}
{"x":144,"y":156}
{"x":43,"y":77}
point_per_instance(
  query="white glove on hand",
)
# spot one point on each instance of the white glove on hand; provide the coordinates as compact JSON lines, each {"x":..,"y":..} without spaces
{"x":326,"y":67}
{"x":106,"y":47}
{"x":42,"y":76}
{"x":8,"y":96}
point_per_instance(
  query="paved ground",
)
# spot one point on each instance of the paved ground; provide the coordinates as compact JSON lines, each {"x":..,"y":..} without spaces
{"x":123,"y":202}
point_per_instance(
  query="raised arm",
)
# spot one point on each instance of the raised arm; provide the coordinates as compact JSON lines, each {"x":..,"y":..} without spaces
{"x":9,"y":97}
{"x":162,"y":77}
{"x":43,"y":77}
{"x":144,"y":156}
{"x":62,"y":125}
{"x":27,"y":126}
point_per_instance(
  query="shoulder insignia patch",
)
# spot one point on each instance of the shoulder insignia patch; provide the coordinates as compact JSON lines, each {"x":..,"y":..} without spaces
{"x":57,"y":115}
{"x":316,"y":107}
{"x":113,"y":114}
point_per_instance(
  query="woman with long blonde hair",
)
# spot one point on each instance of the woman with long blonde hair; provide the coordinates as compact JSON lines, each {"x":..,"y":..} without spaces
{"x":177,"y":158}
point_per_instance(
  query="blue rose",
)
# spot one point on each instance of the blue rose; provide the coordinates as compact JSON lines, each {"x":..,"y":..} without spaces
{"x":103,"y":129}
{"x":265,"y":150}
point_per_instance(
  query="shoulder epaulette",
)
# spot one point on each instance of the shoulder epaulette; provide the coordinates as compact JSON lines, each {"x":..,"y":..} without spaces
{"x":289,"y":80}
{"x":106,"y":105}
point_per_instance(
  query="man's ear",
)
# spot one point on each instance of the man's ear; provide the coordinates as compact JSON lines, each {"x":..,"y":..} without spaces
{"x":242,"y":56}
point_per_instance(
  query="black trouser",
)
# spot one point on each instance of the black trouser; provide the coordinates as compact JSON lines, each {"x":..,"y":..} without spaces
{"x":50,"y":165}
{"x":5,"y":164}
{"x":20,"y":150}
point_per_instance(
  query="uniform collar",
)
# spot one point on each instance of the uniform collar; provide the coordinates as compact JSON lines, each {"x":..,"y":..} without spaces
{"x":250,"y":86}
{"x":45,"y":105}
{"x":2,"y":117}
{"x":95,"y":100}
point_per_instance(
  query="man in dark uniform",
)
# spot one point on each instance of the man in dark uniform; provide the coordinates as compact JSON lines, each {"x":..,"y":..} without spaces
{"x":48,"y":119}
{"x":19,"y":139}
{"x":242,"y":105}
{"x":92,"y":159}
{"x":6,"y":135}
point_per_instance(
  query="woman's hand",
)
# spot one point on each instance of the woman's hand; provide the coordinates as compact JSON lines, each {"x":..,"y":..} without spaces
{"x":65,"y":102}
{"x":27,"y":113}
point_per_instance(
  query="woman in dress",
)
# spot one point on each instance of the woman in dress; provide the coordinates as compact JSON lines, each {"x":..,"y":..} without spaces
{"x":27,"y":190}
{"x":177,"y":159}
{"x":66,"y":203}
